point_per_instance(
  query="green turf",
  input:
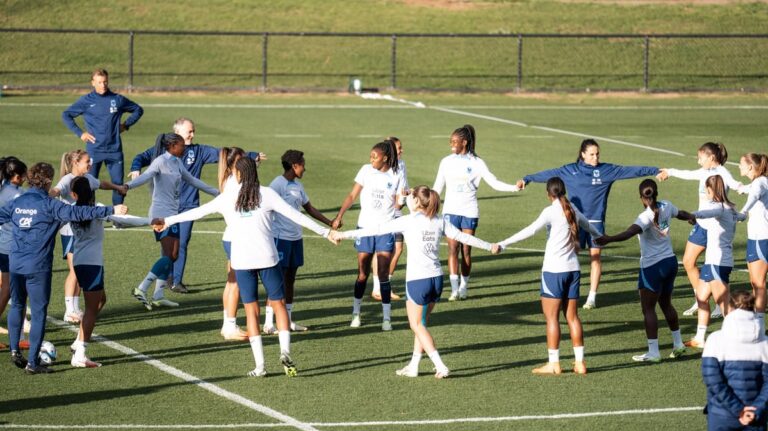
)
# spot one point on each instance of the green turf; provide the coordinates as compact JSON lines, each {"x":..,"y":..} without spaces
{"x":490,"y":342}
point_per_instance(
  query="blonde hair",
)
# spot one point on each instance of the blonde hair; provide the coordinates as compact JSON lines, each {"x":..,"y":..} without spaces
{"x":69,"y":159}
{"x":426,"y":199}
{"x":227,"y":158}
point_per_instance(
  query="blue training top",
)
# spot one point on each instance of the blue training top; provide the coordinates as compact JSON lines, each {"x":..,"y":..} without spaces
{"x":588,"y":186}
{"x":36,"y":218}
{"x":102,"y":114}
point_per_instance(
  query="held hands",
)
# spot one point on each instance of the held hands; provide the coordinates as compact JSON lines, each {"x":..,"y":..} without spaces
{"x":663,"y":174}
{"x":158,"y":224}
{"x":335,"y":236}
{"x":520,"y":184}
{"x":496,"y":248}
{"x":337,"y":223}
{"x":88,"y":138}
{"x":262,"y":157}
{"x":122,"y":189}
{"x":120,"y":209}
{"x":603,"y":240}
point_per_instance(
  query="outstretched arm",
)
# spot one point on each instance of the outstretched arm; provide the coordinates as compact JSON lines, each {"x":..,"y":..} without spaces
{"x":348,"y":201}
{"x":631,"y":231}
{"x":529,"y":231}
{"x":189,"y":178}
{"x":452,"y":232}
{"x":317,"y":215}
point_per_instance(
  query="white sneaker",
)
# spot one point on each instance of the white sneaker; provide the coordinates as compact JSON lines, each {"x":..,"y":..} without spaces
{"x":442,"y":374}
{"x":234,"y":333}
{"x":589,"y":305}
{"x":162,"y":302}
{"x":407,"y":371}
{"x":257,"y":372}
{"x":72,"y":317}
{"x":269,"y":330}
{"x":84,"y":362}
{"x":691,"y":311}
{"x":298,"y":328}
{"x":646,"y":358}
{"x":386,"y":325}
{"x":463,"y":293}
{"x":355,"y":321}
{"x":717,"y":312}
{"x":454,"y":296}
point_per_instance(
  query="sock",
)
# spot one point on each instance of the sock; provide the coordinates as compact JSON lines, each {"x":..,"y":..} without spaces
{"x":677,"y":339}
{"x":386,"y":292}
{"x":554,"y":355}
{"x":435,"y":358}
{"x":76,"y":344}
{"x":761,"y":323}
{"x":230,"y":323}
{"x":356,"y":305}
{"x":148,"y":280}
{"x":289,"y":309}
{"x":717,"y":309}
{"x":464,"y":283}
{"x":160,"y":270}
{"x":76,"y":304}
{"x":591,"y":296}
{"x":68,"y":300}
{"x":701,"y":331}
{"x":269,"y":316}
{"x":454,"y":278}
{"x":258,"y":351}
{"x":578,"y":353}
{"x":159,"y":289}
{"x":386,"y":310}
{"x":284,"y":338}
{"x":415,"y":359}
{"x":376,"y":284}
{"x":224,"y":320}
{"x":80,"y":350}
{"x":653,"y":347}
{"x":359,"y":289}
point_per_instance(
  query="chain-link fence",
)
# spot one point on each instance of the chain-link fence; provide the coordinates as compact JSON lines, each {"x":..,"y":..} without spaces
{"x":160,"y":60}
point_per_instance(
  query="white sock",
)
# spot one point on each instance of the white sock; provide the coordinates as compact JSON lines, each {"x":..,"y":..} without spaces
{"x":415,"y":359}
{"x":761,"y":323}
{"x":80,"y":350}
{"x":285,"y":341}
{"x":578,"y":353}
{"x":289,"y":309}
{"x":554,"y":355}
{"x":230,"y":323}
{"x":76,"y":344}
{"x":677,"y":339}
{"x":76,"y":303}
{"x":717,"y":309}
{"x":159,"y":289}
{"x":148,"y":280}
{"x":701,"y":331}
{"x":454,"y":278}
{"x":435,"y":358}
{"x":653,"y":347}
{"x":376,"y":284}
{"x":464,"y":283}
{"x":258,"y":351}
{"x":386,"y":309}
{"x":356,"y":306}
{"x":269,"y":316}
{"x":591,"y":296}
{"x":68,"y":300}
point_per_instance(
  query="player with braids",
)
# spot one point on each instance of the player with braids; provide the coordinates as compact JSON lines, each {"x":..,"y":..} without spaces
{"x":658,"y":267}
{"x":560,"y":273}
{"x":755,"y":167}
{"x":460,"y":174}
{"x":377,"y":185}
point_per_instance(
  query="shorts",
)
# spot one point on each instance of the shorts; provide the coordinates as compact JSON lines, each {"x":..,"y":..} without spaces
{"x":424,"y":291}
{"x":248,"y":283}
{"x":67,"y":242}
{"x":291,"y":253}
{"x":90,"y":277}
{"x":698,"y":236}
{"x":560,"y":285}
{"x":462,"y":222}
{"x":757,"y":249}
{"x":373,"y":244}
{"x":660,"y":277}
{"x":585,"y":238}
{"x":227,"y":249}
{"x":5,"y":265}
{"x":715,"y":273}
{"x":171,"y":232}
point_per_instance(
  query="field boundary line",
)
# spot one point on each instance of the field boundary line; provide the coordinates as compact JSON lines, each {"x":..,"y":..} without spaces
{"x":222,"y":105}
{"x":189,"y":378}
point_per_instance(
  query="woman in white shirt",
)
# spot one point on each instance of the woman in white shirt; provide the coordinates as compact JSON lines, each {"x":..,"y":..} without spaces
{"x":248,"y":214}
{"x":460,"y":173}
{"x":658,"y":267}
{"x":422,"y":229}
{"x":560,"y":276}
{"x":755,"y":167}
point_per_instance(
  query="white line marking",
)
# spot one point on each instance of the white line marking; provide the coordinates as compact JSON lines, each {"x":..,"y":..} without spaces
{"x":439,"y":136}
{"x":368,"y":136}
{"x":221,"y":106}
{"x":610,"y":107}
{"x":534,"y":136}
{"x":297,"y":136}
{"x":231,"y":396}
{"x":484,"y":117}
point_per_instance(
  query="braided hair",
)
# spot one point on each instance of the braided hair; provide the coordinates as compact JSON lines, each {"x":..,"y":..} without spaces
{"x":249,"y":196}
{"x":467,"y":133}
{"x":388,"y":149}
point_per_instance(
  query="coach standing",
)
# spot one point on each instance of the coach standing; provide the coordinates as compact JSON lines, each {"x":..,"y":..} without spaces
{"x":102,"y":111}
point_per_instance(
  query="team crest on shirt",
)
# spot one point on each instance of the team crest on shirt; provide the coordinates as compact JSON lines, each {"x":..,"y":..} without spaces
{"x":190,"y":158}
{"x":596,"y":177}
{"x":113,"y":106}
{"x":389,"y":186}
{"x":469,"y":169}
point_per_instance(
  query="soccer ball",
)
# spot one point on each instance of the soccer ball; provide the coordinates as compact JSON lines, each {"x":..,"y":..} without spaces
{"x":47,"y":353}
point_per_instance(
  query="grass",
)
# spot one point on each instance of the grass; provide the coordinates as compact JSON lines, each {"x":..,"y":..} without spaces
{"x":490,"y":342}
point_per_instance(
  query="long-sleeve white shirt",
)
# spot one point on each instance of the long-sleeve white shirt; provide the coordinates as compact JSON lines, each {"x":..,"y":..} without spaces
{"x":655,"y":244}
{"x":253,"y":244}
{"x":378,"y":196}
{"x":88,"y":247}
{"x":460,"y":174}
{"x":422,"y":235}
{"x":166,"y":173}
{"x":560,"y":252}
{"x":702,"y":175}
{"x":720,"y":222}
{"x":757,"y":207}
{"x":65,"y":193}
{"x":8,"y":192}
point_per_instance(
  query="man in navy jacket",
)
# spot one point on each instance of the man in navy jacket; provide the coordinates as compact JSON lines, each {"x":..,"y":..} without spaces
{"x":102,"y":112}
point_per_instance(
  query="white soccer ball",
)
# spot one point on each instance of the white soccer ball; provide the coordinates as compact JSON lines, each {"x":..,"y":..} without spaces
{"x":47,"y":353}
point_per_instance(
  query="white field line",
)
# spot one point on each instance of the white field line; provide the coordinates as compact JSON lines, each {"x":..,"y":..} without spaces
{"x":220,"y":106}
{"x":289,"y":136}
{"x":283,"y":418}
{"x":610,"y":107}
{"x":377,"y":423}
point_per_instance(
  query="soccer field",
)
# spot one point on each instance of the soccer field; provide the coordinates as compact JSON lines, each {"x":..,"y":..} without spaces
{"x":170,"y":368}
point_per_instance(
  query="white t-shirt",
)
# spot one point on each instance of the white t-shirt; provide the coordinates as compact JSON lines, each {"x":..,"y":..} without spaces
{"x":702,"y":175}
{"x":422,"y":236}
{"x":720,"y":223}
{"x":253,"y":244}
{"x":460,"y":174}
{"x":8,"y":192}
{"x":757,"y":207}
{"x":560,"y":252}
{"x":655,"y":244}
{"x":378,"y":196}
{"x":293,"y":193}
{"x":65,"y":193}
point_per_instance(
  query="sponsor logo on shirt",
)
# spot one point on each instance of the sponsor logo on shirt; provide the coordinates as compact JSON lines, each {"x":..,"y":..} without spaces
{"x":596,"y":177}
{"x":26,"y":211}
{"x":25,"y":222}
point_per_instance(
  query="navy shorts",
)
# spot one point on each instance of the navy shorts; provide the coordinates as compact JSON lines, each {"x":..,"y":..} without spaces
{"x":424,"y":291}
{"x":5,"y":266}
{"x":90,"y":277}
{"x":715,"y":273}
{"x":248,"y":283}
{"x":462,"y":222}
{"x":67,"y":242}
{"x":757,"y":249}
{"x":698,"y":236}
{"x":227,"y":249}
{"x":585,"y":238}
{"x":291,"y":253}
{"x":374,"y":244}
{"x":171,"y":232}
{"x":660,"y":277}
{"x":560,"y":285}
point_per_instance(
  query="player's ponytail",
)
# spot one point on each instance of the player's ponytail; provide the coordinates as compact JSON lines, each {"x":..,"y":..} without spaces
{"x":249,"y":197}
{"x":719,"y":191}
{"x":759,"y":163}
{"x":716,"y":150}
{"x":427,"y":200}
{"x":40,"y":176}
{"x":227,"y":158}
{"x":467,"y":133}
{"x":556,"y":190}
{"x":648,"y":194}
{"x":388,"y":149}
{"x":85,"y":196}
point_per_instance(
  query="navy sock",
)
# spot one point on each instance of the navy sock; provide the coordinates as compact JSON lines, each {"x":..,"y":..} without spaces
{"x":386,"y":292}
{"x":359,"y":289}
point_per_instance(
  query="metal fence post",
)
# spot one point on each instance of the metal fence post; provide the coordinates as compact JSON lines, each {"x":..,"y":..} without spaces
{"x":646,"y":49}
{"x":394,"y":62}
{"x":264,"y":43}
{"x":519,"y":86}
{"x":130,"y":62}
